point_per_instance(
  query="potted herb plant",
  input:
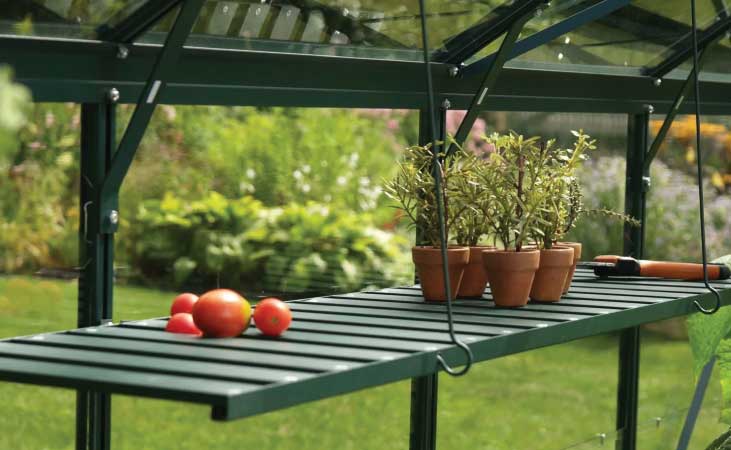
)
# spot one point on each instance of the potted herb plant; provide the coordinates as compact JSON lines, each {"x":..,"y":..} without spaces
{"x":511,"y":203}
{"x":471,"y":226}
{"x":413,"y":190}
{"x":555,"y":168}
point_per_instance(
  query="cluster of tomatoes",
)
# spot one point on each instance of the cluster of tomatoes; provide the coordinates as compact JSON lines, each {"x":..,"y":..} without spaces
{"x":223,"y":313}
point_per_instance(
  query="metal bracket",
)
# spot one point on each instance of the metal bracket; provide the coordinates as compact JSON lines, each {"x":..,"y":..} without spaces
{"x":148,"y":100}
{"x":490,"y":78}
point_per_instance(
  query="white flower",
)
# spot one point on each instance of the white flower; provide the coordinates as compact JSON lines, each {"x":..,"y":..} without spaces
{"x":297,"y":175}
{"x":306,"y":168}
{"x":305,"y":188}
{"x":250,"y":173}
{"x":341,"y":180}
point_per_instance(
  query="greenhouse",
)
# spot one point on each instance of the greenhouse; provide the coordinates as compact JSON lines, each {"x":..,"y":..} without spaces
{"x":204,"y":144}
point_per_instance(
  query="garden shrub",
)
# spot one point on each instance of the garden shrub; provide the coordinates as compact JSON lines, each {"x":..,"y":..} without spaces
{"x":673,"y":230}
{"x":243,"y":243}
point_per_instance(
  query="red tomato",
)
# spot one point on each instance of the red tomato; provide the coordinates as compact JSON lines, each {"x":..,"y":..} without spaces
{"x":272,"y":316}
{"x":222,"y":313}
{"x":182,"y":323}
{"x":183,"y":303}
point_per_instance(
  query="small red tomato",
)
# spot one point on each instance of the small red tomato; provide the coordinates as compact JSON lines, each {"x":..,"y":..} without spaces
{"x":183,"y":323}
{"x":222,"y":313}
{"x":183,"y":303}
{"x":272,"y":316}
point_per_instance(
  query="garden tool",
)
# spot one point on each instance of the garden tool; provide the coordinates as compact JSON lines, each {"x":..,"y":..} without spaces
{"x":617,"y":266}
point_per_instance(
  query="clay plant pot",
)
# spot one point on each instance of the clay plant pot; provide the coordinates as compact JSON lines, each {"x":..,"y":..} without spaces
{"x":551,"y":275}
{"x":475,"y":278}
{"x":428,"y":261}
{"x":511,"y":275}
{"x":577,"y":257}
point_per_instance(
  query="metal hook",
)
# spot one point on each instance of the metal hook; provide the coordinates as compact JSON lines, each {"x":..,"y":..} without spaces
{"x":699,"y":164}
{"x":440,"y":205}
{"x":86,"y":221}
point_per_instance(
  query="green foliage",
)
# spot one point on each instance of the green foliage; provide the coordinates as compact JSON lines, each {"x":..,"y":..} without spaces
{"x":414,"y":189}
{"x":241,"y":242}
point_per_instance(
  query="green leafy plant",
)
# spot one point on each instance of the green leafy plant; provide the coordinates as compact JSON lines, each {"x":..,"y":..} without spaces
{"x":413,"y":190}
{"x":510,"y":178}
{"x":241,"y":242}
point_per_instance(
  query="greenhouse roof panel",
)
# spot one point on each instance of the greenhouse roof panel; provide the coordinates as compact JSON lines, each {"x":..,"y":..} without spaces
{"x":641,"y":34}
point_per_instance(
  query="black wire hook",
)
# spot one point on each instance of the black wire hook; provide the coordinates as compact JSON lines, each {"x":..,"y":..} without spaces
{"x":699,"y":164}
{"x":440,"y":206}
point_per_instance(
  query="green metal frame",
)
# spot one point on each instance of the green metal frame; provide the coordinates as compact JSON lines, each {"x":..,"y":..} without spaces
{"x":545,"y":36}
{"x":491,"y":76}
{"x":86,"y":71}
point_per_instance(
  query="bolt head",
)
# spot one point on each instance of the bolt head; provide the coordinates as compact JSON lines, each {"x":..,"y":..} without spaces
{"x":122,"y":52}
{"x":114,"y":217}
{"x":446,"y":104}
{"x":657,"y":81}
{"x":113,"y":95}
{"x":649,"y":109}
{"x":453,"y":71}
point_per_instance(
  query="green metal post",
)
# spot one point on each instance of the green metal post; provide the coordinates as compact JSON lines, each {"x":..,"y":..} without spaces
{"x":636,"y":186}
{"x":96,"y":258}
{"x":423,"y":432}
{"x":637,"y":182}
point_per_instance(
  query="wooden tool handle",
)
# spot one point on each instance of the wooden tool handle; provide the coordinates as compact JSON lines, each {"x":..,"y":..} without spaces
{"x":682,"y":271}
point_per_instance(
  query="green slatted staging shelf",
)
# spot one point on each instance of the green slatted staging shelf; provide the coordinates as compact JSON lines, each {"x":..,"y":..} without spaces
{"x":337,"y":344}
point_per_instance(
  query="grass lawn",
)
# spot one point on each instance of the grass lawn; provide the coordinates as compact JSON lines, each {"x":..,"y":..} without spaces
{"x":550,"y":398}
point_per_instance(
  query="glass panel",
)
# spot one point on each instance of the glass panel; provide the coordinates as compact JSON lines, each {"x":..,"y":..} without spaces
{"x":379,"y":28}
{"x":641,"y":34}
{"x":62,"y":18}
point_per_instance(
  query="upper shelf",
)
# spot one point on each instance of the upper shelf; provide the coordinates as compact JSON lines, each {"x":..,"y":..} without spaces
{"x":639,"y":34}
{"x":337,"y":344}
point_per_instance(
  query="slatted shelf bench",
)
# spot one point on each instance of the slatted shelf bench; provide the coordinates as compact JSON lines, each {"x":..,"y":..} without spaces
{"x":337,"y":344}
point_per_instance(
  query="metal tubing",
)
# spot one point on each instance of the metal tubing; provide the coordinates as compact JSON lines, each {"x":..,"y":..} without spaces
{"x":684,"y":49}
{"x":489,"y":80}
{"x":636,"y":183}
{"x":96,"y":260}
{"x":546,"y":35}
{"x":141,"y":20}
{"x":146,"y":104}
{"x":424,"y":390}
{"x":695,"y":405}
{"x":627,"y":390}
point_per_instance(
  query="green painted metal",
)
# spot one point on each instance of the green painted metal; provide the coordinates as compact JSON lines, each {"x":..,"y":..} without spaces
{"x":141,"y":20}
{"x":628,"y":389}
{"x":683,"y":50}
{"x":487,"y":85}
{"x":424,"y":401}
{"x":146,"y":104}
{"x":684,"y":92}
{"x":637,"y":181}
{"x":546,"y":35}
{"x":467,"y":43}
{"x":140,"y":358}
{"x":96,"y":261}
{"x":83,"y":71}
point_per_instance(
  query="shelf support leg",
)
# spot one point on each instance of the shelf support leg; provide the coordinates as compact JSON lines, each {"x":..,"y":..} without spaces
{"x":423,"y":434}
{"x":96,"y":261}
{"x":637,"y":184}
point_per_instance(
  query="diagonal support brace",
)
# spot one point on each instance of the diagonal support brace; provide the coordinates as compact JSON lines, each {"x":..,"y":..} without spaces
{"x":141,"y":20}
{"x":685,"y":91}
{"x":545,"y":36}
{"x":489,"y":80}
{"x":146,"y":104}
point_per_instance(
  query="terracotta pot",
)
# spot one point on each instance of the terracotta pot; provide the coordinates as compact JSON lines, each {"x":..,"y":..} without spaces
{"x":577,"y":257}
{"x":475,"y":277}
{"x":511,"y":275}
{"x":551,"y":275}
{"x":428,"y":261}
